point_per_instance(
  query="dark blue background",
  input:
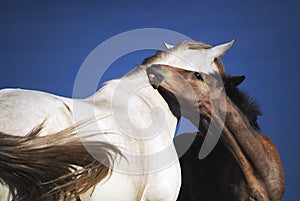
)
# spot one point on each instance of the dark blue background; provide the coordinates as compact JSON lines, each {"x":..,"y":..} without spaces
{"x":43,"y":44}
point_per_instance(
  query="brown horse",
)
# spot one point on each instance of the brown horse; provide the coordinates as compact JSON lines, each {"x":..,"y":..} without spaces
{"x":244,"y":165}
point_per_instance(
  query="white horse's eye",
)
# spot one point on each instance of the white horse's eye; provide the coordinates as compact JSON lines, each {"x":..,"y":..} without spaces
{"x":198,"y":76}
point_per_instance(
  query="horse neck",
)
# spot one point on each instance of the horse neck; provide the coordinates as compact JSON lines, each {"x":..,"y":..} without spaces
{"x":109,"y":88}
{"x":133,"y":101}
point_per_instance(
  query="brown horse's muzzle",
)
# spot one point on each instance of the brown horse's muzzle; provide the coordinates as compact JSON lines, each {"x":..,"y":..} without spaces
{"x":155,"y":75}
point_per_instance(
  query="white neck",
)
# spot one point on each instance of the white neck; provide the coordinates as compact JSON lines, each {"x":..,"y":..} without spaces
{"x":141,"y":116}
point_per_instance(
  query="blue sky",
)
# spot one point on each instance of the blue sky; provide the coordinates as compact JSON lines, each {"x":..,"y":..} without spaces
{"x":43,"y":44}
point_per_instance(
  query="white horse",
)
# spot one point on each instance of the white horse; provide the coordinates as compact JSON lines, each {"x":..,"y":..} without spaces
{"x":150,"y":169}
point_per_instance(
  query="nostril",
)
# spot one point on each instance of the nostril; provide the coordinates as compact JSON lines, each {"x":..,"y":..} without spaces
{"x":151,"y":77}
{"x":155,"y":79}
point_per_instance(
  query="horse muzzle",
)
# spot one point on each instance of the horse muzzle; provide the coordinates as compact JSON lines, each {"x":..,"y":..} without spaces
{"x":155,"y":76}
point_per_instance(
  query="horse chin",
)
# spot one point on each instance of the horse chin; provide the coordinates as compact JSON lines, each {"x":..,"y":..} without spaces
{"x":155,"y":85}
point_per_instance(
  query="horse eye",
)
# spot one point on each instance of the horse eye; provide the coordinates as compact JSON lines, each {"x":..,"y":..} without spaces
{"x":198,"y":76}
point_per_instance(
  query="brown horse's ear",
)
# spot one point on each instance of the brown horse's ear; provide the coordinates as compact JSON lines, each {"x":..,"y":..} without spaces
{"x":236,"y":80}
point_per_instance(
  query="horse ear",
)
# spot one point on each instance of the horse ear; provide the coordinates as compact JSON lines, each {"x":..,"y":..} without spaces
{"x":236,"y":80}
{"x":168,"y":46}
{"x":219,"y":50}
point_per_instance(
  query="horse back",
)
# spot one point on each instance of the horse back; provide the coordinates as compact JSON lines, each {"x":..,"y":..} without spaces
{"x":24,"y":110}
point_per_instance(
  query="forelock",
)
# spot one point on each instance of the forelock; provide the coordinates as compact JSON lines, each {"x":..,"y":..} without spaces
{"x":192,"y":45}
{"x":185,"y":45}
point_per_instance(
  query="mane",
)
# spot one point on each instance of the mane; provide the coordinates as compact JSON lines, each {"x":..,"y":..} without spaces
{"x":246,"y":104}
{"x":193,"y":45}
{"x":55,"y":166}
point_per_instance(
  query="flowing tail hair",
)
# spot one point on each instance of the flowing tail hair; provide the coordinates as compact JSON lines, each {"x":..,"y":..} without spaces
{"x":53,"y":167}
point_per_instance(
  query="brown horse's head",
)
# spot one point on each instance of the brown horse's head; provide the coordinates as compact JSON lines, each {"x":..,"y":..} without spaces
{"x":189,"y":92}
{"x":182,"y":89}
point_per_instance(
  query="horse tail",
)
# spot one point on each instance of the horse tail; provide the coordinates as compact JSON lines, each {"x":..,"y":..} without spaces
{"x":53,"y":167}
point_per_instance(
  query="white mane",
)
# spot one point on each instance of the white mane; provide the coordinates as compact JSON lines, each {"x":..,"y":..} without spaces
{"x":191,"y":55}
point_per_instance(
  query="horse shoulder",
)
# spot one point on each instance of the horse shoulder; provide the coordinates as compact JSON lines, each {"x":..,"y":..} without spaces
{"x":276,"y":175}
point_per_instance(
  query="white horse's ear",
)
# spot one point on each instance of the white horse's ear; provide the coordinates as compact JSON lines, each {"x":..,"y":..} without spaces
{"x":168,"y":46}
{"x":219,"y":50}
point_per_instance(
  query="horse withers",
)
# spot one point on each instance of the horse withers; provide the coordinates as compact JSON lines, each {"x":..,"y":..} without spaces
{"x":244,"y":165}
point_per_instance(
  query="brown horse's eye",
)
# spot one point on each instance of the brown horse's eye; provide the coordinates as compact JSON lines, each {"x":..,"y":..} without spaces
{"x":198,"y":76}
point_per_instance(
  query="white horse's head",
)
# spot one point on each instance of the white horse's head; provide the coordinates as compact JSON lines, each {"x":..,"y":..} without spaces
{"x":191,"y":55}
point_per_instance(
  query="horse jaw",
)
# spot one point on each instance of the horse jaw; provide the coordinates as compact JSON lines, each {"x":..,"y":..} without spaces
{"x":219,"y":50}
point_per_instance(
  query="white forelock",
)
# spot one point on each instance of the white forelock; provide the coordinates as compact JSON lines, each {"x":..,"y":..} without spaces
{"x":194,"y":56}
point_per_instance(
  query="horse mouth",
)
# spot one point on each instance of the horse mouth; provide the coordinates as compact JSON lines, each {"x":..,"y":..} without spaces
{"x":154,"y":75}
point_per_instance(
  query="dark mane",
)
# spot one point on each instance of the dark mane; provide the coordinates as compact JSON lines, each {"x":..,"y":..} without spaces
{"x":54,"y":167}
{"x":247,"y":105}
{"x":153,"y":58}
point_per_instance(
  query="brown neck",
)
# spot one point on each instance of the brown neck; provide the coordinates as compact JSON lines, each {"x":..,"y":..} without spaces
{"x":245,"y":145}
